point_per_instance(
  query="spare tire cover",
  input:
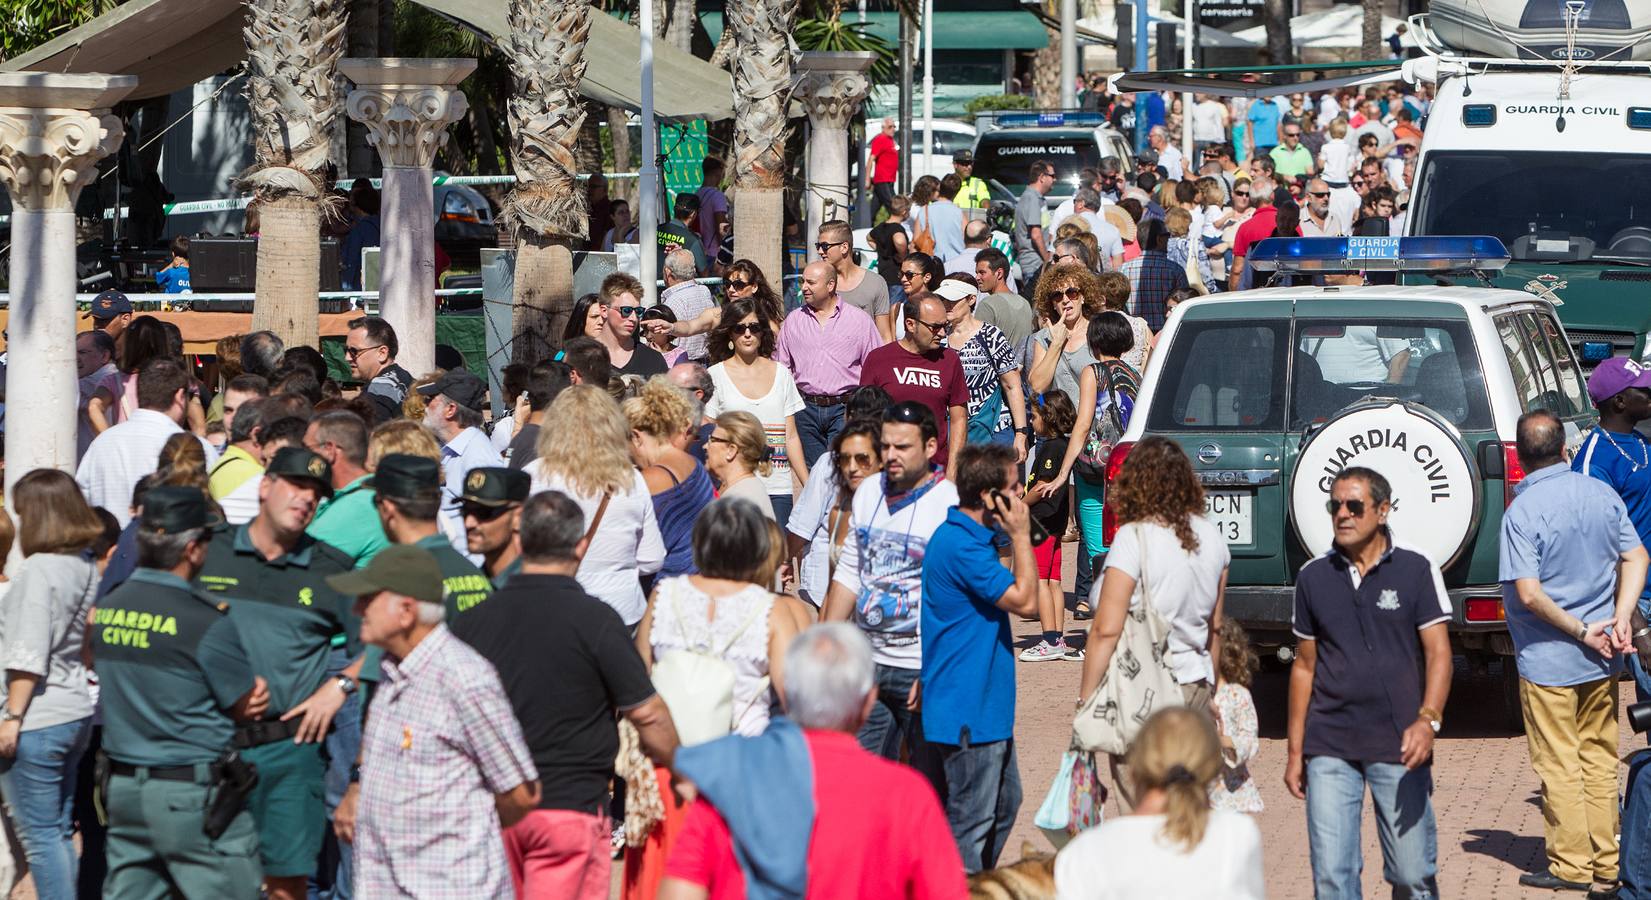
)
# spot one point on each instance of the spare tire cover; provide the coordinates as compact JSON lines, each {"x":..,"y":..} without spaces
{"x":1434,"y":479}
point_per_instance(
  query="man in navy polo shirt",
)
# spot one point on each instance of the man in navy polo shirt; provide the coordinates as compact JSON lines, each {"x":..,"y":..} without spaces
{"x":968,"y":661}
{"x":1368,"y":614}
{"x":1620,"y":456}
{"x":1572,"y":567}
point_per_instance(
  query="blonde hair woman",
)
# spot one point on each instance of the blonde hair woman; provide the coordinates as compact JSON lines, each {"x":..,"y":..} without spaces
{"x":401,"y":436}
{"x":737,"y":454}
{"x":591,"y":463}
{"x":1173,"y":845}
{"x":659,"y":416}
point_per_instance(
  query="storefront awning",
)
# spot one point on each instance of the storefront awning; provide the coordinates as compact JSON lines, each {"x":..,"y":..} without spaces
{"x":171,"y":44}
{"x":977,"y":30}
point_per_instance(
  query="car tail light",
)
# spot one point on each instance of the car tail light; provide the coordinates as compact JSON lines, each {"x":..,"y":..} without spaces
{"x":460,"y":217}
{"x":1512,"y":473}
{"x":1484,"y":609}
{"x":1109,"y":519}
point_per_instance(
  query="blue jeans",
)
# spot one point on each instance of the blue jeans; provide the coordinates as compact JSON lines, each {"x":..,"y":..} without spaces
{"x":1636,"y":830}
{"x":39,"y":787}
{"x":1403,"y":801}
{"x":817,"y":426}
{"x":335,"y":871}
{"x":782,"y":507}
{"x":891,"y":723}
{"x":982,"y":797}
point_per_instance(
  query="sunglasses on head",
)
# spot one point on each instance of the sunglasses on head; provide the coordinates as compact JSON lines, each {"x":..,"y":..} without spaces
{"x":1354,"y":507}
{"x":907,"y":412}
{"x":749,"y":328}
{"x":629,"y":312}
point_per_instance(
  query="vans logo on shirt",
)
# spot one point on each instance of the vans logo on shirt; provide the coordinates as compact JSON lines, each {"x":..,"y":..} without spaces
{"x":929,"y":378}
{"x":1388,"y":600}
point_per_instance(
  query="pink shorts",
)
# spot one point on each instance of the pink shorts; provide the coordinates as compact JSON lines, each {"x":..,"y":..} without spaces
{"x":1048,"y":555}
{"x":560,"y":854}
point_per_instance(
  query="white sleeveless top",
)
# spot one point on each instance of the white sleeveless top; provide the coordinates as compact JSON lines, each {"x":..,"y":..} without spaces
{"x":681,"y":622}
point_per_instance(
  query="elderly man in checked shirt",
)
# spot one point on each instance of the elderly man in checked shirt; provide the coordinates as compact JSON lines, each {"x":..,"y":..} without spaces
{"x":443,"y":765}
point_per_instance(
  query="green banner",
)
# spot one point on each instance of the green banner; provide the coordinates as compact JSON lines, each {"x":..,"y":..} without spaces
{"x":684,"y":147}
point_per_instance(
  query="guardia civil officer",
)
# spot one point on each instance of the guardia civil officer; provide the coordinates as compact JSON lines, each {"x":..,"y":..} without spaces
{"x":273,"y":576}
{"x":175,"y":679}
{"x":491,"y":504}
{"x":408,"y":495}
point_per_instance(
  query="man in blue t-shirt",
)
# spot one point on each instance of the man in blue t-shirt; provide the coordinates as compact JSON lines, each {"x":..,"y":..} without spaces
{"x":1264,"y":116}
{"x":968,"y":663}
{"x":1620,"y":456}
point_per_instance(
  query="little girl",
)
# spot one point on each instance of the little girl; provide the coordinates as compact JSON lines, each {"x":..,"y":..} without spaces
{"x":1053,"y":418}
{"x":1234,"y":714}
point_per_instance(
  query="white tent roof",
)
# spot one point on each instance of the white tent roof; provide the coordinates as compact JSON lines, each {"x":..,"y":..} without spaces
{"x":1207,"y":36}
{"x":1337,"y":28}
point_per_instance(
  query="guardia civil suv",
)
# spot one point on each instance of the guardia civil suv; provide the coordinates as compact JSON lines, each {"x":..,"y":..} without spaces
{"x":1273,"y":391}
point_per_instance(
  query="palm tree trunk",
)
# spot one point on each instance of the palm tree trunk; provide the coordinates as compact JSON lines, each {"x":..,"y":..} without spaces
{"x":679,"y":31}
{"x":546,"y":208}
{"x":293,"y":48}
{"x":289,"y":270}
{"x":763,"y":57}
{"x":362,"y":159}
{"x":1370,"y":42}
{"x":1280,"y":46}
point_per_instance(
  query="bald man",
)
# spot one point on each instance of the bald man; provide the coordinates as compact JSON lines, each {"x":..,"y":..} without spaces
{"x":823,"y":343}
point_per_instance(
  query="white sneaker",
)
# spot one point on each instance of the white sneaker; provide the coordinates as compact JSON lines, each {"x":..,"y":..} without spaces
{"x":1073,"y":653}
{"x":1043,"y":651}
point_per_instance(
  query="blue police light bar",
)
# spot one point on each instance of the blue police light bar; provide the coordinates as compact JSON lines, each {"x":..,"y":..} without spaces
{"x":1048,"y":120}
{"x":1596,"y":351}
{"x":1639,"y":118}
{"x":1382,"y":254}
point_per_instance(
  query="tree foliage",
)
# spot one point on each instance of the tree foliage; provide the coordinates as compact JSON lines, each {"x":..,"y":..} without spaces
{"x":26,"y":24}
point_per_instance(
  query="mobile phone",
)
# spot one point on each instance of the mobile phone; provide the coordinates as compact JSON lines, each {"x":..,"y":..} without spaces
{"x":1038,"y":532}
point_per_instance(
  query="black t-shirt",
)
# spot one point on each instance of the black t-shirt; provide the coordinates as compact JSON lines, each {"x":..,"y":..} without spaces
{"x":524,"y":447}
{"x":882,"y":238}
{"x":567,"y":663}
{"x":645,"y":361}
{"x":1050,"y":511}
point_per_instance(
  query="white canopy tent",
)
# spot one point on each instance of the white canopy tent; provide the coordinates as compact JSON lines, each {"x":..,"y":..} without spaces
{"x":1337,"y":28}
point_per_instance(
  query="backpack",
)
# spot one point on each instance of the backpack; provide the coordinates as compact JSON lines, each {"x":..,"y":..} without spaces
{"x":698,"y":685}
{"x":1114,"y":402}
{"x":923,"y":241}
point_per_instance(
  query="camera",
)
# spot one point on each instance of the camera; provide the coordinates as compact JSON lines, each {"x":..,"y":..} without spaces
{"x":1639,"y":717}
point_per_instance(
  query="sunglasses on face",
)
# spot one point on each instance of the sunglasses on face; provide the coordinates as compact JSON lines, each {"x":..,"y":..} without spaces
{"x":1071,"y":293}
{"x":1319,"y":194}
{"x":942,"y":328}
{"x":1358,"y":182}
{"x":355,"y":352}
{"x":909,"y":275}
{"x":823,"y":247}
{"x":1241,"y":193}
{"x":629,"y":312}
{"x":482,"y":513}
{"x":735,"y":284}
{"x":1354,"y":507}
{"x":858,"y":460}
{"x":753,"y":328}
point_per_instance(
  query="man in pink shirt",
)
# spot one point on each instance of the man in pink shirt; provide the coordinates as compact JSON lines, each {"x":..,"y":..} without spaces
{"x":823,"y":343}
{"x":877,"y":829}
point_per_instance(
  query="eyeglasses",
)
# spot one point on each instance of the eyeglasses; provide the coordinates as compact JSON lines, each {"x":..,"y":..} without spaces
{"x":1294,"y":134}
{"x":1357,"y":182}
{"x":1241,"y":193}
{"x":482,"y":513}
{"x":355,"y":352}
{"x":824,"y":246}
{"x":630,"y":312}
{"x":749,"y":328}
{"x":1071,"y":293}
{"x":904,"y":275}
{"x":718,"y":439}
{"x":1319,"y":194}
{"x":942,"y":328}
{"x":858,"y":460}
{"x":1354,"y":507}
{"x":735,"y":284}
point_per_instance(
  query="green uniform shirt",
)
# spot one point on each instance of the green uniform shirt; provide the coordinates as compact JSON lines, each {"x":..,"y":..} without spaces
{"x":462,"y":585}
{"x":349,"y":522}
{"x":509,"y":572}
{"x":170,"y":662}
{"x":284,"y":607}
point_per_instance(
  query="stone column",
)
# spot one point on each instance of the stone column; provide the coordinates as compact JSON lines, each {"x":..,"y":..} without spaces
{"x":831,"y":86}
{"x":53,"y":131}
{"x":407,"y":105}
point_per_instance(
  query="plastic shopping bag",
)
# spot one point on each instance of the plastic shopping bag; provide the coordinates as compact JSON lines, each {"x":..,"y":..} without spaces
{"x":1074,"y":800}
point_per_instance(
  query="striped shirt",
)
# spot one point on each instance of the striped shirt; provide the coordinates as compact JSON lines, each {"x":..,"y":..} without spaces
{"x":441,"y":741}
{"x":824,"y":356}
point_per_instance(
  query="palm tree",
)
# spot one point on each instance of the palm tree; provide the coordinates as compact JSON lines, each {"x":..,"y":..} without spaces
{"x":546,"y":209}
{"x":1370,"y":43}
{"x":762,"y":62}
{"x":293,"y":48}
{"x":1280,"y":45}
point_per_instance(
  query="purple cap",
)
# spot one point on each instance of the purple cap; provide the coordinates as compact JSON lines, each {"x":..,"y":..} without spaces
{"x":1614,"y":376}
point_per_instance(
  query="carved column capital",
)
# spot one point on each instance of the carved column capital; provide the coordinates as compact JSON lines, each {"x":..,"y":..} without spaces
{"x":832,"y":99}
{"x":406,"y":105}
{"x":47,"y":155}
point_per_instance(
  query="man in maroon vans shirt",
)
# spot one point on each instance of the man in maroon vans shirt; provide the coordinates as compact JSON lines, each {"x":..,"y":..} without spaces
{"x":919,"y":367}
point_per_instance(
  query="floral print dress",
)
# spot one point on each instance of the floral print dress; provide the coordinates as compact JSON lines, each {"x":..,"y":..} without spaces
{"x":1235,"y":714}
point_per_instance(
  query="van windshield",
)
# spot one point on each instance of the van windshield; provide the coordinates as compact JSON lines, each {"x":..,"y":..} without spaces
{"x":1007,"y":158}
{"x":1509,"y":194}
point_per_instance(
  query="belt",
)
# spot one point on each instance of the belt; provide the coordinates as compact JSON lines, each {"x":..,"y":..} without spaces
{"x":257,"y":734}
{"x":161,"y":773}
{"x":1336,"y":184}
{"x":826,"y":399}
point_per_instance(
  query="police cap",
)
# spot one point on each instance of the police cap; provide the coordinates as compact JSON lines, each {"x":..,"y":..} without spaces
{"x":496,"y":486}
{"x":171,"y":508}
{"x":297,"y":463}
{"x":400,"y":568}
{"x":404,"y":476}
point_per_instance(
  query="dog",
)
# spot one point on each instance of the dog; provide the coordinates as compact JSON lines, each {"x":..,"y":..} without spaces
{"x":1032,"y":878}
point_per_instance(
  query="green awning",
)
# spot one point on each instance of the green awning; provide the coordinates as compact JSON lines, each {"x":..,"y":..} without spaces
{"x":979,"y":30}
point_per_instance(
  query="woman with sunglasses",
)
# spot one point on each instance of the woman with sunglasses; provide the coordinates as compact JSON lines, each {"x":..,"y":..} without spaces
{"x":1068,"y":297}
{"x":588,"y":319}
{"x":738,"y":454}
{"x":747,"y":379}
{"x":856,"y":454}
{"x":743,"y":281}
{"x":990,"y":369}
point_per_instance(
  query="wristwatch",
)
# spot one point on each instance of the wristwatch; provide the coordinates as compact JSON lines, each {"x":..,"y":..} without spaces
{"x":6,"y":715}
{"x":1434,"y":719}
{"x":346,"y":684}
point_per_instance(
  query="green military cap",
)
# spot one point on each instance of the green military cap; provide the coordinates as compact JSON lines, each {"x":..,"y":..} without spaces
{"x":299,"y":463}
{"x":170,"y":509}
{"x":405,"y":476}
{"x":496,"y":486}
{"x":401,"y":569}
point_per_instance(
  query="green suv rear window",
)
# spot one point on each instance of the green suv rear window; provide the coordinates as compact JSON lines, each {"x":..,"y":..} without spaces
{"x":1340,"y":361}
{"x":1223,"y":375}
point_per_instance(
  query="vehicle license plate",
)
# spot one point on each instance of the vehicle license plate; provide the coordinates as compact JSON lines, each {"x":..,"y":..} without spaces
{"x":1233,"y":513}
